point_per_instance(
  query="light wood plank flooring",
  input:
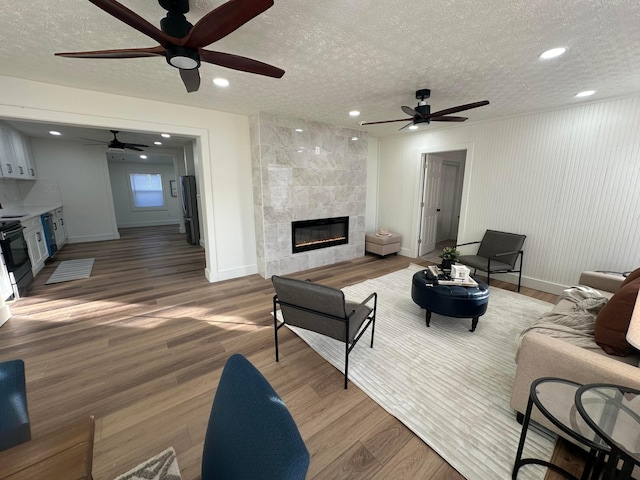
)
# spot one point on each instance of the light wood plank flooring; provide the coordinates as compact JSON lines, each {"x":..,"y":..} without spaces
{"x":141,"y":345}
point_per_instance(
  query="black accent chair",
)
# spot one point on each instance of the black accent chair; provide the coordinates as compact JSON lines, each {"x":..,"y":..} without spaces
{"x":498,"y":252}
{"x":323,"y":310}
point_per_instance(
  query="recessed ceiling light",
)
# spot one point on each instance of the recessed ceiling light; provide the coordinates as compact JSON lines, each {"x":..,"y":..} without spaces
{"x":157,"y":143}
{"x":354,"y":138}
{"x":165,"y":135}
{"x":144,"y":157}
{"x":552,"y":53}
{"x":354,"y":113}
{"x":54,"y":132}
{"x":299,"y":130}
{"x":221,"y":82}
{"x":586,"y":93}
{"x":413,"y":127}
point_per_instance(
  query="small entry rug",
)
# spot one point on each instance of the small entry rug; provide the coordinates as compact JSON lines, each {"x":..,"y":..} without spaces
{"x":163,"y":466}
{"x":449,"y":386}
{"x":71,"y":270}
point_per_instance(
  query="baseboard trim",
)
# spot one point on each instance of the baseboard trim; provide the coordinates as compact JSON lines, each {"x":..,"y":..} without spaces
{"x":231,"y":273}
{"x":93,"y":238}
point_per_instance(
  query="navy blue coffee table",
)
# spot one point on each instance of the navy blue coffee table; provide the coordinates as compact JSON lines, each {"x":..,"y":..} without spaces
{"x":450,"y":300}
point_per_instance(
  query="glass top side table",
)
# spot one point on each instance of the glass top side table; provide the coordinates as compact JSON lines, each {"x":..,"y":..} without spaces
{"x":614,"y":413}
{"x":555,"y":399}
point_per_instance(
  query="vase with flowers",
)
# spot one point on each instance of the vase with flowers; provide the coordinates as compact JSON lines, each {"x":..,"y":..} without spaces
{"x":449,"y":255}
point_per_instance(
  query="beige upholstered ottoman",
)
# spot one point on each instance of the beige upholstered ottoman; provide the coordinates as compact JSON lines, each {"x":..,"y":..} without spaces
{"x":382,"y":244}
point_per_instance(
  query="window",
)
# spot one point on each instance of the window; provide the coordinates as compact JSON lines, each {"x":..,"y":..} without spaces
{"x":146,"y":189}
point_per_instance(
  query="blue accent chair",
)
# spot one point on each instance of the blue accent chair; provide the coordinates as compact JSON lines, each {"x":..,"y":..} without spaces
{"x":14,"y":416}
{"x":251,"y":434}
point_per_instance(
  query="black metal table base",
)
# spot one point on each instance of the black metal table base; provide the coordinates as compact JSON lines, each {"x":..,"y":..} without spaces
{"x":592,"y":468}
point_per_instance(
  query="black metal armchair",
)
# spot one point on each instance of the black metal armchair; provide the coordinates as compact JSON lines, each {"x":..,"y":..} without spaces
{"x":498,"y":252}
{"x":323,"y":310}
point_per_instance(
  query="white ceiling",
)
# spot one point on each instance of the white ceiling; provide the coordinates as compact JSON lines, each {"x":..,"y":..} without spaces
{"x":339,"y":55}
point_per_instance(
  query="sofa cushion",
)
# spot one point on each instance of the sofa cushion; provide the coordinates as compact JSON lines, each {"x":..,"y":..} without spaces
{"x":613,"y":320}
{"x":631,"y":277}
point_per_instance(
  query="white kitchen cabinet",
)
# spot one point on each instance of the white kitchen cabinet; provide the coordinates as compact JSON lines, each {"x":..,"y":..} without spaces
{"x":36,"y":243}
{"x":16,"y":160}
{"x":59,"y":228}
{"x":24,"y":158}
{"x":7,"y":157}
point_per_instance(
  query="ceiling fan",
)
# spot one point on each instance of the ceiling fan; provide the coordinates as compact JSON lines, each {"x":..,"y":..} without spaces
{"x":422,"y":112}
{"x":181,"y":43}
{"x":116,"y":144}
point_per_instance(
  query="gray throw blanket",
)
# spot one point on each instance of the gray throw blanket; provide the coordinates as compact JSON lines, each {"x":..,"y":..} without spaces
{"x":575,"y":326}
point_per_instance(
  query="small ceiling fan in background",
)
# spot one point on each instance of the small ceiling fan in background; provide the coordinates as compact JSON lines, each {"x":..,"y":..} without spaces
{"x":181,"y":43}
{"x":116,"y":144}
{"x":422,"y":112}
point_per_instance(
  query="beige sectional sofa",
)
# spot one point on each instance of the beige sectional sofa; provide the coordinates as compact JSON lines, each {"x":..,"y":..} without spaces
{"x":541,"y":355}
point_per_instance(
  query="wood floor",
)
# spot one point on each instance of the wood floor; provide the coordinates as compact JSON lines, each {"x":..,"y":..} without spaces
{"x":141,"y":345}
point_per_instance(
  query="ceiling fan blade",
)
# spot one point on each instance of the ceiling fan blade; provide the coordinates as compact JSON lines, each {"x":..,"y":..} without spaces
{"x":447,"y":119}
{"x":191,"y":79}
{"x":93,"y":140}
{"x":409,"y":111}
{"x":135,"y":145}
{"x":407,"y":125}
{"x":243,"y":64}
{"x":129,"y":147}
{"x":223,"y":20}
{"x":120,"y":53}
{"x":459,"y":108}
{"x":388,"y":121}
{"x":122,"y":13}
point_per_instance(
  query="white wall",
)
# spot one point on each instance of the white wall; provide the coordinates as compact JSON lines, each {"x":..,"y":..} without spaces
{"x":568,"y":179}
{"x":126,"y":215}
{"x":223,"y":156}
{"x":83,"y":178}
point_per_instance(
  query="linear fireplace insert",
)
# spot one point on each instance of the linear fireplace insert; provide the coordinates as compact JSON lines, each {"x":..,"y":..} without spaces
{"x":324,"y":232}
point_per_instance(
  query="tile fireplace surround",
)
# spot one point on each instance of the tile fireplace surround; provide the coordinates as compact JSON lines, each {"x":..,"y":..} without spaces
{"x":319,"y":172}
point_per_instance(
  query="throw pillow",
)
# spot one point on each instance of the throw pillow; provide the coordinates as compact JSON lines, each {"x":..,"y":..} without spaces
{"x":631,"y":277}
{"x":613,"y":320}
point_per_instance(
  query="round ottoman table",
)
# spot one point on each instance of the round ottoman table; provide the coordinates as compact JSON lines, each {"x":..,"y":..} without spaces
{"x":450,"y":300}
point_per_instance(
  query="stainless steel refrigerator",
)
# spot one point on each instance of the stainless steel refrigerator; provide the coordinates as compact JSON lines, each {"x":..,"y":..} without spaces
{"x":190,"y":209}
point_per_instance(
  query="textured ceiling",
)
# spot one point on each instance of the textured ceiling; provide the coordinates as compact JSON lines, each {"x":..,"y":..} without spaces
{"x":340,"y":55}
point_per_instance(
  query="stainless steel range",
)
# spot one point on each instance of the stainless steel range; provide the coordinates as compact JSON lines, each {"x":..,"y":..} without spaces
{"x":16,"y":256}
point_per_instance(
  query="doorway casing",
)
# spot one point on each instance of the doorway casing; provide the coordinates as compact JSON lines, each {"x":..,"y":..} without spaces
{"x":420,"y":183}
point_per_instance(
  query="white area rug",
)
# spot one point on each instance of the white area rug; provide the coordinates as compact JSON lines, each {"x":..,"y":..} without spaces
{"x":451,"y":387}
{"x":163,"y":466}
{"x":71,"y":270}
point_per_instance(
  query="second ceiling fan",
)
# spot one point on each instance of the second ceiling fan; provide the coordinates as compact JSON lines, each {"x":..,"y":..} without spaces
{"x":422,"y":112}
{"x":181,"y":43}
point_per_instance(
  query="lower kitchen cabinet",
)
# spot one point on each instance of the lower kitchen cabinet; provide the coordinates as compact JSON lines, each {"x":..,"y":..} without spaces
{"x":36,"y":243}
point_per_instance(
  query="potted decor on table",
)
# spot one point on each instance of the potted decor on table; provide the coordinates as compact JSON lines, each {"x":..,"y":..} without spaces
{"x":449,"y":255}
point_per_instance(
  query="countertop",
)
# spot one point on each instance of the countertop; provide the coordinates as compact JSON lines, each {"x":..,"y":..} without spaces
{"x":23,"y":214}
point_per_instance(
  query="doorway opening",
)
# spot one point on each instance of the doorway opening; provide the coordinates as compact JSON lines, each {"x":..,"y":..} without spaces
{"x":441,"y":202}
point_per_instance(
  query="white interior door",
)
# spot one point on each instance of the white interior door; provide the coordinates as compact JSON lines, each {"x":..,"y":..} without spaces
{"x":430,"y":198}
{"x":448,"y":196}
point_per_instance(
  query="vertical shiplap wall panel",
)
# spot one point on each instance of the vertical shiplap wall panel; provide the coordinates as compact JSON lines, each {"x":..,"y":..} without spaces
{"x":569,"y":179}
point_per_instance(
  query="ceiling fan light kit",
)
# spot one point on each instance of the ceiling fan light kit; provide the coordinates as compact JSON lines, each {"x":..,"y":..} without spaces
{"x":422,"y":112}
{"x":181,"y":43}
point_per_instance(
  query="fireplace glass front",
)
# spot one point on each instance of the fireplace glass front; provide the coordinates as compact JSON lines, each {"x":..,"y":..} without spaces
{"x":313,"y":234}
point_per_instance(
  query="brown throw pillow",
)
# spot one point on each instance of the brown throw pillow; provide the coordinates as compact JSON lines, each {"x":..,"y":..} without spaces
{"x":613,"y":320}
{"x":631,"y":277}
